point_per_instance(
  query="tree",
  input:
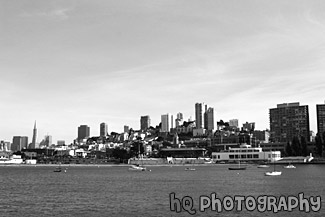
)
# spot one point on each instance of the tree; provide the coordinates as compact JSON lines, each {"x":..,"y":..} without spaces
{"x":304,"y":150}
{"x":288,"y":149}
{"x":319,"y":145}
{"x":296,"y":146}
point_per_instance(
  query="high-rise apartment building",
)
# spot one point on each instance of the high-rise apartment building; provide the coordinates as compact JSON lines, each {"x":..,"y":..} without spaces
{"x":199,"y":115}
{"x":19,"y":143}
{"x":289,"y":120}
{"x":209,"y":119}
{"x":145,"y":122}
{"x":165,"y":123}
{"x":103,"y":130}
{"x":179,"y":119}
{"x":83,"y":132}
{"x":320,"y":113}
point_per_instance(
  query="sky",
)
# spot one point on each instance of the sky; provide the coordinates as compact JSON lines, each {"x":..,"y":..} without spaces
{"x":66,"y":63}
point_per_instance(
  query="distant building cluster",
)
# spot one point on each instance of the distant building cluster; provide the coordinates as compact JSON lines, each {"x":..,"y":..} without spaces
{"x":287,"y":120}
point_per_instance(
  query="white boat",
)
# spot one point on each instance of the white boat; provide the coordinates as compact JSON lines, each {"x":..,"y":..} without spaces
{"x":189,"y":169}
{"x":290,"y":166}
{"x":273,"y":173}
{"x":137,"y":168}
{"x":246,"y":153}
{"x":263,"y":166}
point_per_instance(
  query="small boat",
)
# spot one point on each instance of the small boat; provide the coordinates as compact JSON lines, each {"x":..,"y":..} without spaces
{"x":57,"y":169}
{"x":189,"y":169}
{"x":290,"y":166}
{"x":263,"y":166}
{"x":237,"y":168}
{"x":137,"y":168}
{"x":273,"y":173}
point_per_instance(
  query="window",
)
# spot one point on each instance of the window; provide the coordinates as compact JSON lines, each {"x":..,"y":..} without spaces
{"x":255,"y":156}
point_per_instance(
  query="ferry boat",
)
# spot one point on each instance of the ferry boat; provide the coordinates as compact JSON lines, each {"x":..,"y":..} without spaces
{"x":246,"y":153}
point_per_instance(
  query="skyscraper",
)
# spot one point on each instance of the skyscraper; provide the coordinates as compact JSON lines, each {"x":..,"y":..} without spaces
{"x":83,"y":132}
{"x":289,"y":120}
{"x":199,"y":115}
{"x":19,"y":143}
{"x":103,"y":130}
{"x":145,"y":122}
{"x":209,"y":119}
{"x":165,"y":123}
{"x":320,"y":113}
{"x":33,"y":145}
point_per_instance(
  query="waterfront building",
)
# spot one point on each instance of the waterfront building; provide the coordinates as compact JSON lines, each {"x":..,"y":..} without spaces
{"x":103,"y":130}
{"x":199,"y":115}
{"x":246,"y":153}
{"x":83,"y":132}
{"x":320,"y":113}
{"x":145,"y":122}
{"x":165,"y":123}
{"x":209,"y":119}
{"x":289,"y":120}
{"x":33,"y":144}
{"x":19,"y":143}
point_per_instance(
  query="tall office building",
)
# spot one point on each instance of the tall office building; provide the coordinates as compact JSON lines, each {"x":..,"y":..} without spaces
{"x":199,"y":115}
{"x":179,"y":119}
{"x":126,"y":129}
{"x":145,"y":122}
{"x":289,"y":120}
{"x":320,"y":113}
{"x":209,"y":119}
{"x":48,"y":140}
{"x":103,"y":130}
{"x":33,"y":145}
{"x":83,"y":132}
{"x":165,"y":123}
{"x":19,"y":143}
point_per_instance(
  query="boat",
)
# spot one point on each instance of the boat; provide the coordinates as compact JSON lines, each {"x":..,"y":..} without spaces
{"x":263,"y":166}
{"x":189,"y":169}
{"x":273,"y":173}
{"x":137,"y":167}
{"x":247,"y":153}
{"x":290,"y":166}
{"x":57,"y":169}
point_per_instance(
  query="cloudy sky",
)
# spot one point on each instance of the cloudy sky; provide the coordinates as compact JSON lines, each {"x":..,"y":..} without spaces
{"x":72,"y":62}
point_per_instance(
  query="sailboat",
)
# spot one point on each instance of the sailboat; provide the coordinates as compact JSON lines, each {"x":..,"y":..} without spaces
{"x":273,"y":173}
{"x":290,"y":166}
{"x":265,"y":165}
{"x":137,"y":167}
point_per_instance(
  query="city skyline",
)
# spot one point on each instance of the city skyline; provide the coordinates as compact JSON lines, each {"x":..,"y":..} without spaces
{"x":69,"y":63}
